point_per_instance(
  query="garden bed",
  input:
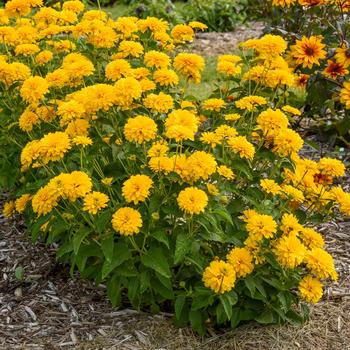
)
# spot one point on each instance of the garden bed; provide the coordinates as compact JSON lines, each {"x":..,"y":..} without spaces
{"x":50,"y":310}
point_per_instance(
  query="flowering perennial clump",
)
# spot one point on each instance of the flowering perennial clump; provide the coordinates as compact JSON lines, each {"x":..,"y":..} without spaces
{"x":203,"y":205}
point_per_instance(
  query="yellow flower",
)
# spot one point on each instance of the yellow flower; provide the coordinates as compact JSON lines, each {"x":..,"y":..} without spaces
{"x":189,"y":65}
{"x":198,"y":25}
{"x":158,"y":149}
{"x":95,"y":201}
{"x":156,"y":59}
{"x":182,"y":33}
{"x":291,"y":110}
{"x":192,"y":200}
{"x":43,"y":57}
{"x":27,"y":120}
{"x":310,"y":289}
{"x":241,"y":260}
{"x":342,"y":56}
{"x":166,"y":77}
{"x":22,"y":202}
{"x":53,"y":146}
{"x":117,"y":69}
{"x":331,"y":167}
{"x":136,"y":188}
{"x":226,"y":172}
{"x":311,"y":238}
{"x":8,"y":209}
{"x":242,"y":146}
{"x":261,"y":226}
{"x":200,"y":165}
{"x":219,"y":276}
{"x":271,"y":122}
{"x":308,"y":51}
{"x":210,"y":138}
{"x":320,"y":263}
{"x":82,"y":141}
{"x":34,"y":89}
{"x":160,"y":103}
{"x":212,"y":189}
{"x":283,"y":3}
{"x":127,"y":221}
{"x":107,"y":181}
{"x":250,"y":102}
{"x":140,"y":129}
{"x":286,"y":142}
{"x":232,"y":117}
{"x":290,"y":252}
{"x":44,"y":201}
{"x":213,"y":104}
{"x":26,"y":49}
{"x":130,"y":48}
{"x":270,"y":186}
{"x":126,"y":91}
{"x":345,"y":94}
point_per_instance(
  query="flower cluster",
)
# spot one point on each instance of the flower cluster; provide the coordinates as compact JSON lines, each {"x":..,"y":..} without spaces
{"x":152,"y":190}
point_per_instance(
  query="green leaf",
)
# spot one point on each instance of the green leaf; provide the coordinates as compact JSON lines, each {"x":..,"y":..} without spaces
{"x":225,"y":301}
{"x":107,"y":246}
{"x":156,"y":260}
{"x":19,"y":273}
{"x":79,"y":237}
{"x":266,"y":317}
{"x":121,"y":253}
{"x":113,"y":290}
{"x":196,"y":321}
{"x":182,"y":247}
{"x":200,"y":302}
{"x":224,"y":214}
{"x":161,"y":237}
{"x":179,"y":304}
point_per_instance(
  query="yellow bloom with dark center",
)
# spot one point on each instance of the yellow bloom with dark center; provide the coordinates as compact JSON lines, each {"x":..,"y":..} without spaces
{"x":95,"y":201}
{"x":241,"y":260}
{"x":136,"y":189}
{"x":156,"y":59}
{"x":310,"y":289}
{"x":290,"y":252}
{"x":8,"y":209}
{"x":308,"y":51}
{"x":342,"y":56}
{"x":334,"y":70}
{"x":320,"y":263}
{"x":270,"y":186}
{"x":213,"y":104}
{"x":34,"y":89}
{"x":219,"y":276}
{"x":192,"y":200}
{"x":21,"y":202}
{"x":127,"y":221}
{"x":261,"y":226}
{"x":345,"y":94}
{"x":140,"y":129}
{"x":242,"y":146}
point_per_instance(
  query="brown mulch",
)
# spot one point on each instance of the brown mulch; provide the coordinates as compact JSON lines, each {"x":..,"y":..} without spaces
{"x":216,"y":43}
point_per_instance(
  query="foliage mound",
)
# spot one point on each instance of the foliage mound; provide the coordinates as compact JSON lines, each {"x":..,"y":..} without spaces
{"x":201,"y":208}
